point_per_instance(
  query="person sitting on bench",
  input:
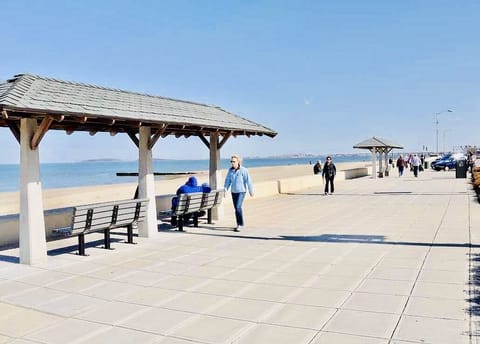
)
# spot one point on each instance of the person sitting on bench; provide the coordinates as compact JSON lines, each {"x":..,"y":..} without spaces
{"x":189,"y":187}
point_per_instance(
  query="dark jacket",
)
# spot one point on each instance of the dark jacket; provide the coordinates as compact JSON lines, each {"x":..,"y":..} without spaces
{"x":329,"y":170}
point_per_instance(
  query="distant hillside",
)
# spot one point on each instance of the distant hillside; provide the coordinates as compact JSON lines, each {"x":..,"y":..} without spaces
{"x":101,"y":160}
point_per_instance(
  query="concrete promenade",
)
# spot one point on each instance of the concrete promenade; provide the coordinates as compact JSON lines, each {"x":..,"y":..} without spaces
{"x":392,"y":260}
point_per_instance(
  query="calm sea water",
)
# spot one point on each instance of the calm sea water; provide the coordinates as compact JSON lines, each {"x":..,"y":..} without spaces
{"x":61,"y":175}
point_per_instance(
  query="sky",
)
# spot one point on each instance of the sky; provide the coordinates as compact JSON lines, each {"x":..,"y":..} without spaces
{"x":324,"y":74}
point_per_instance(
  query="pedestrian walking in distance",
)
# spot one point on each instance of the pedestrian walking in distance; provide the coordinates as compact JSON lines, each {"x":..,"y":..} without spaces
{"x":328,"y":173}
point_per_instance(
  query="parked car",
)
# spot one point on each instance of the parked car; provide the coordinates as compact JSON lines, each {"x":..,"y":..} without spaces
{"x":447,"y":162}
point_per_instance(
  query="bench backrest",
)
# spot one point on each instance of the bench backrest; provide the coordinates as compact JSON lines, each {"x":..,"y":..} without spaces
{"x":197,"y":201}
{"x":212,"y":199}
{"x":189,"y":203}
{"x":100,"y":216}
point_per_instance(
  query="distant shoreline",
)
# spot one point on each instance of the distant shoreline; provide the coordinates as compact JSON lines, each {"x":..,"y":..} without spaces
{"x":270,"y":157}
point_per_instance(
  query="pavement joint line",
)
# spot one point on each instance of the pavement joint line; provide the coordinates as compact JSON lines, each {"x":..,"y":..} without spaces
{"x":420,"y":269}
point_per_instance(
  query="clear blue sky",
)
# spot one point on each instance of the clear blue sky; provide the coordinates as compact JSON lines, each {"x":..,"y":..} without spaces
{"x":324,"y":74}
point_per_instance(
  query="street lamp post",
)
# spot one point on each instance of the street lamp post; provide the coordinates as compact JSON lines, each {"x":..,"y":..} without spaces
{"x":444,"y":132}
{"x":436,"y":124}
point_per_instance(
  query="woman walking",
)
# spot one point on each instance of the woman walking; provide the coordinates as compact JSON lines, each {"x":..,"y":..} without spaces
{"x":239,"y":179}
{"x":328,"y":173}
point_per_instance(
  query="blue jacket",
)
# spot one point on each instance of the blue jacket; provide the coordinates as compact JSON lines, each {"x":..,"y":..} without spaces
{"x":239,"y":180}
{"x":189,"y":187}
{"x":192,"y":186}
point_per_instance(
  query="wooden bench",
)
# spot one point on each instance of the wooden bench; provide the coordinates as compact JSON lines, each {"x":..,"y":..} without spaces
{"x":194,"y":203}
{"x":104,"y":217}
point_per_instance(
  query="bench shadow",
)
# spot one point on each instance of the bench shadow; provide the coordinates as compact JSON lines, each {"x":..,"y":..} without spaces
{"x":167,"y":227}
{"x":73,"y":249}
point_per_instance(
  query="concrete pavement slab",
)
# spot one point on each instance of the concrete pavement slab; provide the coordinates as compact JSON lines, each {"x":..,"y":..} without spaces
{"x":340,"y":338}
{"x":25,"y":321}
{"x":432,"y":330}
{"x":376,"y":302}
{"x":265,"y":333}
{"x":211,"y":329}
{"x":437,"y":308}
{"x":369,"y":324}
{"x":120,"y":335}
{"x":308,"y":317}
{"x":441,"y":290}
{"x":157,"y":320}
{"x":67,"y":331}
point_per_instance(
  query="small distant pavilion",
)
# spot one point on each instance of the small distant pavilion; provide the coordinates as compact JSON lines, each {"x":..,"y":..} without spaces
{"x":31,"y":105}
{"x":378,"y":145}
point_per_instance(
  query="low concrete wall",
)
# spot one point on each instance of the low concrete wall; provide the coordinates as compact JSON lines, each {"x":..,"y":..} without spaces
{"x":288,"y":185}
{"x":356,"y":172}
{"x":55,"y":218}
{"x":265,"y":189}
{"x":293,"y":184}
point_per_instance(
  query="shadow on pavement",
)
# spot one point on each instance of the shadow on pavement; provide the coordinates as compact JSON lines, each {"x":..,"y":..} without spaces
{"x":382,"y":193}
{"x":338,"y":238}
{"x":474,"y":300}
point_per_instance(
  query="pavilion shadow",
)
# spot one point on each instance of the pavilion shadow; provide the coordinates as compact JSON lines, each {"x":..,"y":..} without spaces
{"x":379,"y":193}
{"x":72,"y":249}
{"x":9,"y":259}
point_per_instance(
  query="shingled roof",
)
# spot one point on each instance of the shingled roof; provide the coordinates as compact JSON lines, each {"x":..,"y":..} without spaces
{"x":83,"y":107}
{"x":377,"y":142}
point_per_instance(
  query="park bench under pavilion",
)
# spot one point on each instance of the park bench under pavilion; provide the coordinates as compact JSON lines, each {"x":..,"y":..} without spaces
{"x":31,"y":105}
{"x":378,"y":145}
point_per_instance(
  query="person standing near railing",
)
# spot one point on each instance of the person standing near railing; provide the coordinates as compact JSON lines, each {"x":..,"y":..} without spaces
{"x":239,"y":179}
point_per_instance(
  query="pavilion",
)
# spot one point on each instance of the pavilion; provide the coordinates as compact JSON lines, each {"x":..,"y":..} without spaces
{"x":31,"y":105}
{"x":381,"y":146}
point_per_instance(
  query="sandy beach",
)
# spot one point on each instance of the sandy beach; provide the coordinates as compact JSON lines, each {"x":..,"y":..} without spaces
{"x":65,"y":197}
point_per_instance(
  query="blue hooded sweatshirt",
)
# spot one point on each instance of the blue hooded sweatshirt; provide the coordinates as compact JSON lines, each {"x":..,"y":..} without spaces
{"x":189,"y":187}
{"x":192,"y":186}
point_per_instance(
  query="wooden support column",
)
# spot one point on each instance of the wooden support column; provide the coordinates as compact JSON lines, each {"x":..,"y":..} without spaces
{"x":374,"y":163}
{"x":380,"y":162}
{"x":146,"y":184}
{"x":33,"y":244}
{"x":387,"y":166}
{"x":215,"y":174}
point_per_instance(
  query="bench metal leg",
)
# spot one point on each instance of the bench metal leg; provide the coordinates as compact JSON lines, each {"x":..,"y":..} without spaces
{"x":130,"y":234}
{"x":106,"y":239}
{"x":180,"y":223}
{"x":209,"y":216}
{"x":195,"y":219}
{"x":81,"y":244}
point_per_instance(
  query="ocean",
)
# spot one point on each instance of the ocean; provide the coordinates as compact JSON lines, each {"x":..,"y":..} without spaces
{"x":87,"y":173}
